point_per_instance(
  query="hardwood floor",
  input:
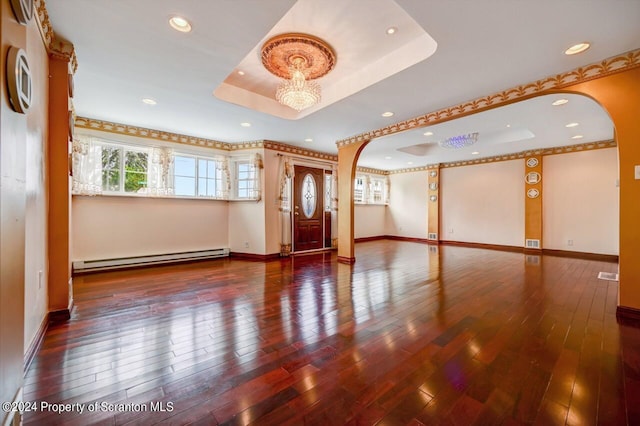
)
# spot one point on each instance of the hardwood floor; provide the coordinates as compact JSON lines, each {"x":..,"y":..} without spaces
{"x":410,"y":334}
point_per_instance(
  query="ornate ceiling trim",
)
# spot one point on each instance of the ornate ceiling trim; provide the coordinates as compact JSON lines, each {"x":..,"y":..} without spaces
{"x":56,"y":48}
{"x":616,"y":64}
{"x":588,"y":146}
{"x":282,"y":52}
{"x":125,"y":129}
{"x":289,"y":149}
{"x":372,"y":171}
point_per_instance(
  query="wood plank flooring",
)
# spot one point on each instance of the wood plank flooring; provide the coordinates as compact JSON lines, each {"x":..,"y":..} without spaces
{"x":410,"y":334}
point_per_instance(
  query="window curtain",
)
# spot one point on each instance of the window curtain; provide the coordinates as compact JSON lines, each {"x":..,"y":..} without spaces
{"x":285,"y":173}
{"x":160,"y":172}
{"x":387,"y":189}
{"x":226,"y":178}
{"x":368,"y":195}
{"x":256,"y":161}
{"x":86,"y":166}
{"x":334,"y":206}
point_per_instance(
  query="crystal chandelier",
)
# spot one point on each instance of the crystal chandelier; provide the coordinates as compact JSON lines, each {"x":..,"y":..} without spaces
{"x":461,"y":141}
{"x":298,"y":93}
{"x":298,"y":59}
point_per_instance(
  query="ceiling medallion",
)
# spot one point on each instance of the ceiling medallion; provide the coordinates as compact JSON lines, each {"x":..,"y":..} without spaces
{"x":298,"y":58}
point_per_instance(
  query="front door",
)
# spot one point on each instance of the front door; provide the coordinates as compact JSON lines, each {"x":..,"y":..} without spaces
{"x":308,"y":197}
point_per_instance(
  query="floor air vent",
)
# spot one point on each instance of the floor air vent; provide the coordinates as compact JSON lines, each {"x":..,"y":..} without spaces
{"x":432,"y":236}
{"x":609,"y":276}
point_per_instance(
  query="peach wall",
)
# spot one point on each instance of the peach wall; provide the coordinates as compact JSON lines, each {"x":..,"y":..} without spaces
{"x":36,"y":263}
{"x":270,"y":195}
{"x":407,"y":214}
{"x":483,"y":203}
{"x":109,"y":227}
{"x":580,"y":201}
{"x":369,"y":220}
{"x":13,"y":142}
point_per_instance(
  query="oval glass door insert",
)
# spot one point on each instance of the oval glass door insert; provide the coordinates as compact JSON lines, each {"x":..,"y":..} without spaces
{"x":309,"y":197}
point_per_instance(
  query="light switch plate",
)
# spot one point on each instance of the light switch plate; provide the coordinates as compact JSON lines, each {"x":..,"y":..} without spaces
{"x":637,"y":168}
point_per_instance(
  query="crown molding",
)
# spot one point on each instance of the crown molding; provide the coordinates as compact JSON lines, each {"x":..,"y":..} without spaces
{"x":56,"y":48}
{"x":616,"y":64}
{"x":277,"y":146}
{"x":125,"y":129}
{"x":415,"y":169}
{"x":542,"y":151}
{"x":372,"y":171}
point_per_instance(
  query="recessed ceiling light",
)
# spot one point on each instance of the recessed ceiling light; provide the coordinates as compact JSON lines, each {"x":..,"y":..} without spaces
{"x":308,"y":140}
{"x":391,"y":30}
{"x":577,"y":137}
{"x":245,"y":124}
{"x":475,"y":153}
{"x":387,"y":158}
{"x":559,"y":102}
{"x":409,"y":162}
{"x":508,"y":125}
{"x":571,"y":125}
{"x":149,"y":101}
{"x":387,"y":114}
{"x":240,"y":72}
{"x":577,"y":48}
{"x":428,"y":133}
{"x":178,"y":23}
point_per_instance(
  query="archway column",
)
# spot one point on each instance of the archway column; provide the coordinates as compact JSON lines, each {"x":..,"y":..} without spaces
{"x":347,"y":161}
{"x":619,"y":94}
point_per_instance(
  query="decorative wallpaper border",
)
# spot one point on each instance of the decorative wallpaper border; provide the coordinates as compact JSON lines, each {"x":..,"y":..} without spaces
{"x":612,"y":65}
{"x":282,"y":147}
{"x":125,"y":129}
{"x":588,"y":146}
{"x":372,"y":171}
{"x":56,"y":48}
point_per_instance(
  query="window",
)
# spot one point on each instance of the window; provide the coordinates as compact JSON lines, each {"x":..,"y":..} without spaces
{"x":327,"y":191}
{"x":112,"y":168}
{"x":377,"y":191}
{"x":197,"y":176}
{"x":129,"y":175}
{"x":371,"y":189}
{"x":358,"y":191}
{"x":245,"y":178}
{"x":184,"y":175}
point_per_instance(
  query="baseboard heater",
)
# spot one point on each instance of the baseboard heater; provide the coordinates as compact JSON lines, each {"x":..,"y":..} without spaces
{"x":82,"y":266}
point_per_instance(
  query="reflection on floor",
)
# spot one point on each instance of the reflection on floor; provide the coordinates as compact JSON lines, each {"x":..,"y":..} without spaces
{"x":409,"y":334}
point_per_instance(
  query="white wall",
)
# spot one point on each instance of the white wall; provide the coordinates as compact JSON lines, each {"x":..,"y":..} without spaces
{"x":407,"y":214}
{"x":369,"y":220}
{"x":580,"y":201}
{"x":483,"y":203}
{"x":246,"y":221}
{"x":106,"y":227}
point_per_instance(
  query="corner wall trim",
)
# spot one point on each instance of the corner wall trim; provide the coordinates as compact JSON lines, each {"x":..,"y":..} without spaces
{"x":485,"y":246}
{"x":628,"y":316}
{"x":36,"y":343}
{"x":346,"y":260}
{"x":255,"y":257}
{"x":62,"y":315}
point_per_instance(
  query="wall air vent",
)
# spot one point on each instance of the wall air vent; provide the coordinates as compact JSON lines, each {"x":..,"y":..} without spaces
{"x":432,"y":236}
{"x":534,"y":244}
